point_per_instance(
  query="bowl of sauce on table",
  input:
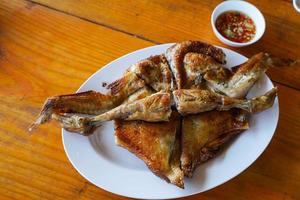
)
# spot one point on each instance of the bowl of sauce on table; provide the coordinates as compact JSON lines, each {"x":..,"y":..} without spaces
{"x":237,"y":23}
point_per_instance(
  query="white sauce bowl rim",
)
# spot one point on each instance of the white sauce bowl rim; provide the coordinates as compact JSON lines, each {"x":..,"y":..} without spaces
{"x":242,"y":9}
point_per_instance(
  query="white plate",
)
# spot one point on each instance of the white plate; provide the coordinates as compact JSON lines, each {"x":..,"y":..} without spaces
{"x":114,"y":169}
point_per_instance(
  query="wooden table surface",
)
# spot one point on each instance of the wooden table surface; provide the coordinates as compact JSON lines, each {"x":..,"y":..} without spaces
{"x":50,"y":47}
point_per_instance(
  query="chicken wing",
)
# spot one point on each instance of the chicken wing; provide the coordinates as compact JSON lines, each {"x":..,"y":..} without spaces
{"x":243,"y":76}
{"x":195,"y":101}
{"x":176,"y":53}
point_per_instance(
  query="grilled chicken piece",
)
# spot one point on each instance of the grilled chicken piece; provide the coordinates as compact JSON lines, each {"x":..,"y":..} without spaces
{"x":196,"y":101}
{"x":244,"y":76}
{"x":157,"y":144}
{"x":176,"y":53}
{"x":156,"y":107}
{"x":155,"y":72}
{"x":197,"y":65}
{"x":89,"y":102}
{"x":204,"y":134}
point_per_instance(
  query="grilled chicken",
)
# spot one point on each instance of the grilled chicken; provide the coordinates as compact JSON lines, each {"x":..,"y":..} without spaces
{"x":157,"y":144}
{"x":156,"y":107}
{"x":204,"y":134}
{"x":196,"y":101}
{"x":140,"y":103}
{"x":243,"y":76}
{"x":176,"y":53}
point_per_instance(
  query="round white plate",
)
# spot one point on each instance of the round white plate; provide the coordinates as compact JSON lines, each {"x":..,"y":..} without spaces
{"x":112,"y":168}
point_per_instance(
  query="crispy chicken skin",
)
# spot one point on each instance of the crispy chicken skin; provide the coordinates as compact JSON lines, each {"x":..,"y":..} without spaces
{"x":195,"y":101}
{"x":204,"y":134}
{"x":156,"y":144}
{"x":176,"y":53}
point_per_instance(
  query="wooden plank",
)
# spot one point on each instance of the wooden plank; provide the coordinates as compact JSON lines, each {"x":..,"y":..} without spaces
{"x":43,"y":52}
{"x":171,"y":21}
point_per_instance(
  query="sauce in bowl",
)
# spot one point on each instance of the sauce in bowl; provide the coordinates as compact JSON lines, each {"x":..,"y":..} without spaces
{"x":236,"y":26}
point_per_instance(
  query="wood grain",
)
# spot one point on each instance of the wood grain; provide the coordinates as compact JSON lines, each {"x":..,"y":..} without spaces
{"x":44,"y":52}
{"x":172,"y":21}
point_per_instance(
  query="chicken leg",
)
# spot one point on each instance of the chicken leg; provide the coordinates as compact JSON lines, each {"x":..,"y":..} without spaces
{"x":196,"y":101}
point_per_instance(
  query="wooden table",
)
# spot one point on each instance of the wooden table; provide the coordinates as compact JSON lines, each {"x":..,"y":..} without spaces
{"x":50,"y":47}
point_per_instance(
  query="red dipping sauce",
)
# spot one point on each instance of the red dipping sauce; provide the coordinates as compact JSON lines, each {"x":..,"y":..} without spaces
{"x":236,"y":26}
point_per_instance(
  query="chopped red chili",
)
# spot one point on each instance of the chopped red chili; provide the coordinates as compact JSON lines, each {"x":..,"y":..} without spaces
{"x":236,"y":26}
